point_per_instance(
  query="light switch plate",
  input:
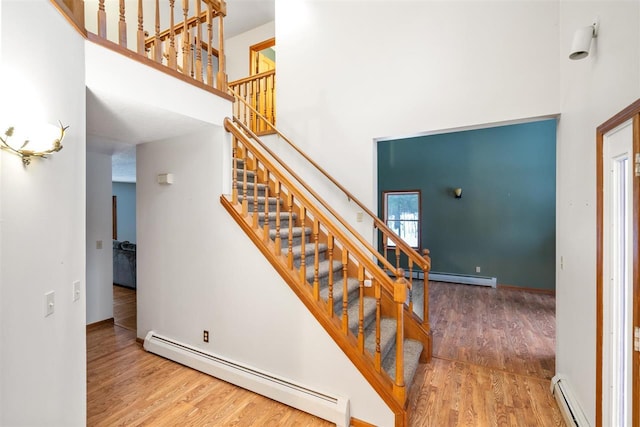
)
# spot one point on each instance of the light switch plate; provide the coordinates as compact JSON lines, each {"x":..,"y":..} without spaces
{"x":76,"y":290}
{"x":49,"y":303}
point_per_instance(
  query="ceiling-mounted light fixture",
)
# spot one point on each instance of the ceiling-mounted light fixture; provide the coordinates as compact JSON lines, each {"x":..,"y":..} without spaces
{"x":582,"y":41}
{"x":457,"y":192}
{"x":44,"y":140}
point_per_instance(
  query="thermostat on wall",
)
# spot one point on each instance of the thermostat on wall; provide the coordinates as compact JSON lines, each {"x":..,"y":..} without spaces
{"x":165,"y":178}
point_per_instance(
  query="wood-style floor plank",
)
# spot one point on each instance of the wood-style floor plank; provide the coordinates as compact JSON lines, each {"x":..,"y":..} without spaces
{"x":493,"y":359}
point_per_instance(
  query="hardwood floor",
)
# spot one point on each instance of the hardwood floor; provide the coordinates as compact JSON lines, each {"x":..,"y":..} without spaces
{"x":493,"y":358}
{"x":124,"y":307}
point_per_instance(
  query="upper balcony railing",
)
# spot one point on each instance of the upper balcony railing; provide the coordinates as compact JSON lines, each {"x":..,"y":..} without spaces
{"x":182,"y":37}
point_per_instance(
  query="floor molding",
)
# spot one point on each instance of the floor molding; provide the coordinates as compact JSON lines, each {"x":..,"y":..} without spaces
{"x":532,"y":290}
{"x":99,"y":324}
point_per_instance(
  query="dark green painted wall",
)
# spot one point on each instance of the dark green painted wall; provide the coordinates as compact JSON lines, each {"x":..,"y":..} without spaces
{"x":505,"y":220}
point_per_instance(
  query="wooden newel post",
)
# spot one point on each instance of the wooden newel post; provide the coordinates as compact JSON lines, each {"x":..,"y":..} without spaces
{"x":399,"y":298}
{"x":222,"y":73}
{"x":425,"y":303}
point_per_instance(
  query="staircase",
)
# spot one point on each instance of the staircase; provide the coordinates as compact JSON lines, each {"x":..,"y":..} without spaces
{"x":360,"y":298}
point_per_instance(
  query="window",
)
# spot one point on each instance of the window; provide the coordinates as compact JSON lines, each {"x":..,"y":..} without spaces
{"x":402,"y":215}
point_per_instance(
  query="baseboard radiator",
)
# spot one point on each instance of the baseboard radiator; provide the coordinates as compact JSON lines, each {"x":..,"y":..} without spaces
{"x":462,"y":278}
{"x":569,"y":407}
{"x":322,"y":405}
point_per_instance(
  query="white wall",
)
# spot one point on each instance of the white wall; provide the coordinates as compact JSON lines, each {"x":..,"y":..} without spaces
{"x":99,"y":261}
{"x":197,"y":270}
{"x":43,"y":362}
{"x":592,"y":91}
{"x":401,"y":68}
{"x":237,"y":49}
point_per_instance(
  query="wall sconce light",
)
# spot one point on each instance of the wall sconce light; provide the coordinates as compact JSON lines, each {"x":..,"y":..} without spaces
{"x":44,"y":141}
{"x":582,"y":41}
{"x":457,"y":192}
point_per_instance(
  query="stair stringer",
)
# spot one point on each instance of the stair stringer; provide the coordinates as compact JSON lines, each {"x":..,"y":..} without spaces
{"x":347,"y":343}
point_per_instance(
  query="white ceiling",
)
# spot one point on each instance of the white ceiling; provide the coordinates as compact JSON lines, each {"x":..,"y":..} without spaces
{"x":115,"y":126}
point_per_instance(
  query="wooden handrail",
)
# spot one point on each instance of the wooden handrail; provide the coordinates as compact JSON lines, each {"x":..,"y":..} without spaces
{"x":424,"y":263}
{"x":345,"y":224}
{"x":336,"y":231}
{"x":250,"y":79}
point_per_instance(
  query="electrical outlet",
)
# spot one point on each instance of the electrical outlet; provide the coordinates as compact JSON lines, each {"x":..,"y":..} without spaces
{"x":205,"y":336}
{"x":478,"y":269}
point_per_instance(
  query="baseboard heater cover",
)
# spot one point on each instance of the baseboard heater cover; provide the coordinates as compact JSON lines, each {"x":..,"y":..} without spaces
{"x":569,"y":407}
{"x":331,"y":408}
{"x":464,"y":279}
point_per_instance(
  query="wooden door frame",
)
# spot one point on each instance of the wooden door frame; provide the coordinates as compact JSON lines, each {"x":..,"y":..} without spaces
{"x":255,"y":49}
{"x":631,"y":112}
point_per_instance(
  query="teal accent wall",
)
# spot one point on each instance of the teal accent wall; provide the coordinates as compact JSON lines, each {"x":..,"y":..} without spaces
{"x":505,"y":221}
{"x":126,"y":193}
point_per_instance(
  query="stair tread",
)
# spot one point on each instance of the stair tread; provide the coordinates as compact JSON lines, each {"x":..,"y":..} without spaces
{"x":296,"y":232}
{"x":387,"y":337}
{"x":352,"y":286}
{"x":309,"y":249}
{"x":412,"y":351}
{"x":272,"y":200}
{"x":353,"y":312}
{"x":323,"y":269}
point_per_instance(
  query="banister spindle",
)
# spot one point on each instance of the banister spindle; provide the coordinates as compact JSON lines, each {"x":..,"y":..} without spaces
{"x":377,"y":293}
{"x":157,"y":46}
{"x":316,"y":259}
{"x":234,"y":185}
{"x":290,"y":248}
{"x":399,"y":298}
{"x":122,"y":26}
{"x":361,"y":309}
{"x":266,"y":224}
{"x":345,"y":293}
{"x":255,"y":195}
{"x":102,"y":20}
{"x":273,"y":99}
{"x":140,"y":34}
{"x":410,"y":284}
{"x":278,"y":239}
{"x":245,"y":199}
{"x":198,"y":45}
{"x":397,"y":256}
{"x":330,"y":255}
{"x":210,"y":45}
{"x":222,"y":76}
{"x":303,"y":254}
{"x":173,"y":53}
{"x":185,"y":39}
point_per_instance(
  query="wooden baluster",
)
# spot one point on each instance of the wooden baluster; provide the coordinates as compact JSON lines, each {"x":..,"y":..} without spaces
{"x":245,"y":199}
{"x":122,"y":26}
{"x":378,"y":293}
{"x":234,"y":185}
{"x":254,"y":100}
{"x":255,"y":196}
{"x":265,"y":108}
{"x":210,"y":45}
{"x":397,"y":257}
{"x":278,"y":239}
{"x":222,"y":76}
{"x":140,"y":33}
{"x":185,"y":39}
{"x":361,"y":309}
{"x":410,"y":284}
{"x":303,"y":254}
{"x":173,"y":53}
{"x":425,"y":302}
{"x":316,"y":260}
{"x":273,"y":99}
{"x":290,"y":249}
{"x":198,"y":46}
{"x":102,"y":20}
{"x":330,"y":255}
{"x":266,"y":225}
{"x":157,"y":47}
{"x":399,"y":297}
{"x":345,"y":293}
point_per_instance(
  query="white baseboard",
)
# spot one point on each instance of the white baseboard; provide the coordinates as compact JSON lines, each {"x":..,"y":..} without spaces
{"x":331,"y":408}
{"x":464,"y":279}
{"x":569,"y":407}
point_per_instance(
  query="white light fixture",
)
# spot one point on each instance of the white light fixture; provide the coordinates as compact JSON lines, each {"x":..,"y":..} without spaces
{"x":582,"y":41}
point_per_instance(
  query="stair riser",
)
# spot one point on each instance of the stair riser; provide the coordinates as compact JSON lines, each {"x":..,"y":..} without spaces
{"x":251,"y":192}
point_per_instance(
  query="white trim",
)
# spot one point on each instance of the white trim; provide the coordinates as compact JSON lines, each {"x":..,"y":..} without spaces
{"x":331,"y":408}
{"x":464,"y":279}
{"x":569,"y":407}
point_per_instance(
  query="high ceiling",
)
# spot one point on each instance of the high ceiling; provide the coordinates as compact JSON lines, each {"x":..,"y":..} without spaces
{"x":111,"y":121}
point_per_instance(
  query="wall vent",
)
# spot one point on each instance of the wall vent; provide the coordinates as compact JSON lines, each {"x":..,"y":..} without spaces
{"x":331,"y":408}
